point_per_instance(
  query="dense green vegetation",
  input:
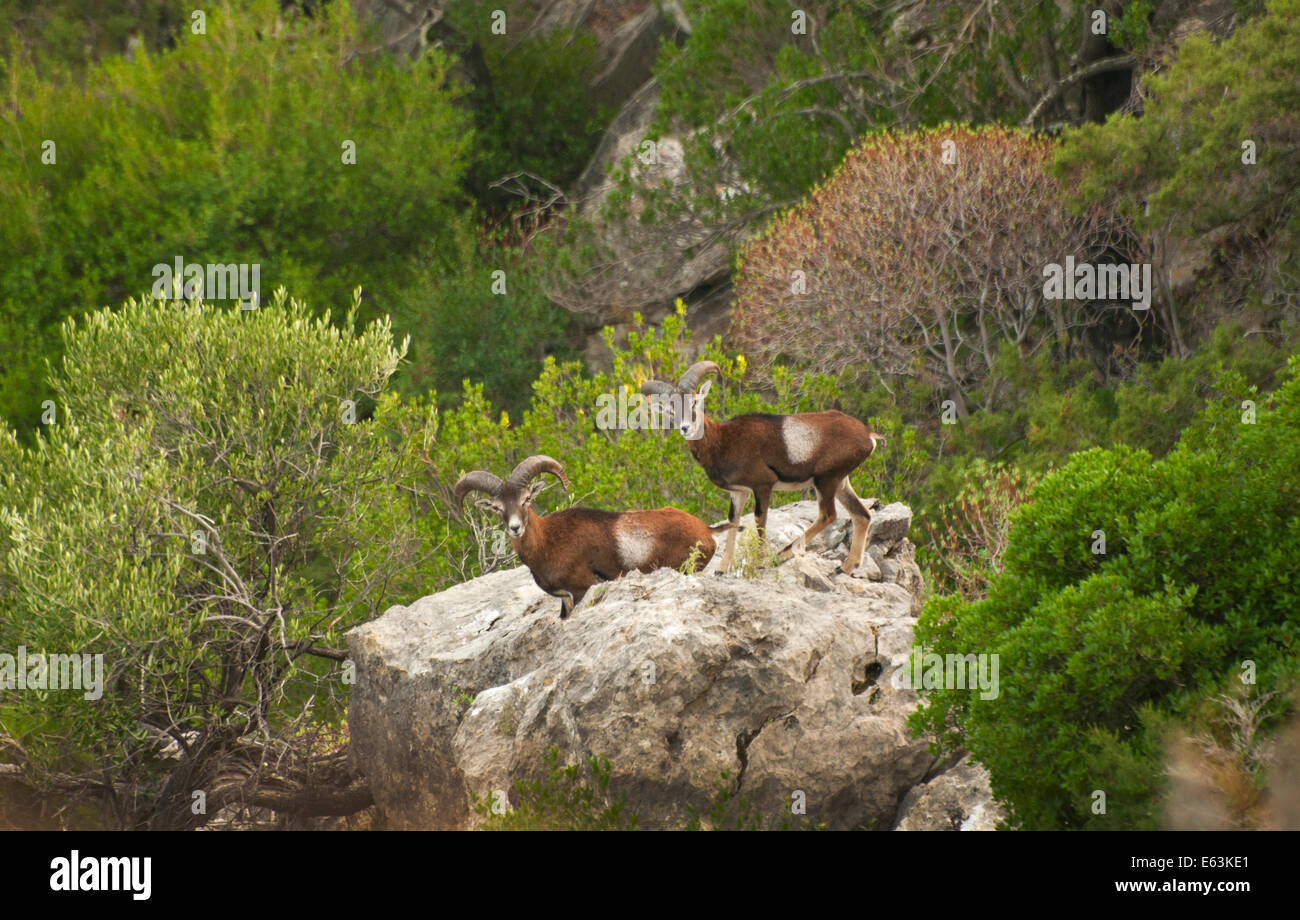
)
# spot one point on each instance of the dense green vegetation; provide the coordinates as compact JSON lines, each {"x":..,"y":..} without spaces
{"x":778,"y":94}
{"x":211,"y":495}
{"x":209,"y":514}
{"x":71,"y":32}
{"x":1133,"y":590}
{"x":1118,"y":651}
{"x":536,"y":119}
{"x":1221,"y":113}
{"x":189,"y":153}
{"x":327,"y":168}
{"x":1221,"y":117}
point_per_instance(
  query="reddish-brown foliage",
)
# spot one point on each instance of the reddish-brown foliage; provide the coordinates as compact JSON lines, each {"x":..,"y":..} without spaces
{"x":920,"y":264}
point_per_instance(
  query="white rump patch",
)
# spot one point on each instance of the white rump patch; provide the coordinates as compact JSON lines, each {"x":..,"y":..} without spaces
{"x":635,"y":544}
{"x":801,"y":439}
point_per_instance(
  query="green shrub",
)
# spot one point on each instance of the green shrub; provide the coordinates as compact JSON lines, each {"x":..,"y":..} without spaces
{"x":225,"y":149}
{"x":1198,"y":113}
{"x":1220,"y":116}
{"x":1198,"y":575}
{"x":964,"y":540}
{"x":732,"y":812}
{"x":461,"y":328}
{"x":536,"y":118}
{"x":73,"y":33}
{"x":205,"y":511}
{"x":567,"y":799}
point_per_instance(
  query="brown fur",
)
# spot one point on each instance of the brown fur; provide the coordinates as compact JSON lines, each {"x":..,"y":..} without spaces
{"x":569,"y":551}
{"x":749,"y":455}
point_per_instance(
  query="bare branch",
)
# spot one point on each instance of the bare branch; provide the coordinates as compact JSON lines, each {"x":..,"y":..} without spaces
{"x":1119,"y":62}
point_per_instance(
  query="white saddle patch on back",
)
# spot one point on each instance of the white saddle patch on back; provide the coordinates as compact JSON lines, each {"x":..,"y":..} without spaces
{"x":635,"y":545}
{"x":801,"y":439}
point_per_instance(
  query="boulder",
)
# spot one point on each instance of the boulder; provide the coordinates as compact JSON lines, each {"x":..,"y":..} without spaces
{"x":889,"y":525}
{"x":402,"y":26}
{"x":889,"y":556}
{"x":959,"y":799}
{"x":787,"y":689}
{"x":627,"y":34}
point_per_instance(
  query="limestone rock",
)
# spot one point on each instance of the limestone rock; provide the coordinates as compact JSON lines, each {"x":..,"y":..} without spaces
{"x":958,"y":799}
{"x":790,"y":682}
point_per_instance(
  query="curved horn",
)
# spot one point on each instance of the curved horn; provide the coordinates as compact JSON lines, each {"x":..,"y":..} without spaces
{"x":656,"y":388}
{"x":697,"y":372}
{"x":532,"y":467}
{"x":479,"y":480}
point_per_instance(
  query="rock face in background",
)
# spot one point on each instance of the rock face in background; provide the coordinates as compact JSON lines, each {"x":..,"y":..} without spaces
{"x":649,"y":267}
{"x":655,"y":264}
{"x":628,"y":33}
{"x":402,"y":24}
{"x":793,"y":683}
{"x":651,"y":274}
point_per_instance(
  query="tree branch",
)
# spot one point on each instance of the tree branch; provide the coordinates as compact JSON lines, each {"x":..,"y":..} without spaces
{"x":1119,"y":62}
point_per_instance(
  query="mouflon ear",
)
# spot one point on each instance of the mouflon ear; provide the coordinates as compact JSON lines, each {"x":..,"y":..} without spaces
{"x":535,"y":489}
{"x":484,"y":503}
{"x":703,"y":391}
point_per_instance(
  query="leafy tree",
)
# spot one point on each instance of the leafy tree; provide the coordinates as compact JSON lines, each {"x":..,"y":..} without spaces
{"x":1102,"y":646}
{"x":772,"y":97}
{"x":1197,"y":117}
{"x":1221,"y":116}
{"x":228,"y":148}
{"x":467,"y":322}
{"x":74,"y":33}
{"x":536,"y":118}
{"x":223,"y":493}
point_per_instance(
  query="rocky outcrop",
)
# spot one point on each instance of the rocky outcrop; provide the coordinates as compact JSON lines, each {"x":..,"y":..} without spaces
{"x":959,"y":799}
{"x":402,"y":25}
{"x":787,"y":689}
{"x":652,"y":263}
